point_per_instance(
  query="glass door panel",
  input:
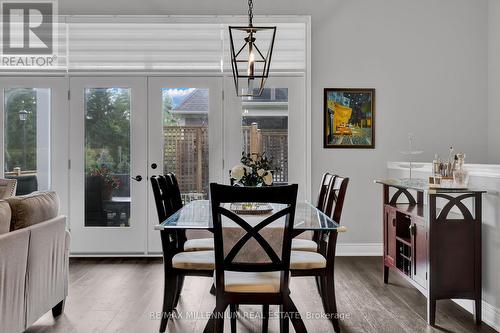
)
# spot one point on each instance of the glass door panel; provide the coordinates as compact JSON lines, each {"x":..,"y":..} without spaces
{"x":31,"y":150}
{"x":27,"y":138}
{"x":185,"y":137}
{"x":186,"y":141}
{"x":108,"y":165}
{"x":107,"y":157}
{"x":273,"y":124}
{"x":264,"y":127}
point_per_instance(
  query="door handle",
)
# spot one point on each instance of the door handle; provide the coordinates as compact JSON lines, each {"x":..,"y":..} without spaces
{"x":137,"y":178}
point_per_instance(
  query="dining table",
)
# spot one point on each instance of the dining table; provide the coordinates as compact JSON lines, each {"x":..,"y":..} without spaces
{"x":197,"y":215}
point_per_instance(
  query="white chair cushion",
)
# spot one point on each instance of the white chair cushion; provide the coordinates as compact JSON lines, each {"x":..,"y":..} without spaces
{"x":252,"y":282}
{"x":306,"y":260}
{"x":197,"y":260}
{"x":200,"y":244}
{"x":304,"y":245}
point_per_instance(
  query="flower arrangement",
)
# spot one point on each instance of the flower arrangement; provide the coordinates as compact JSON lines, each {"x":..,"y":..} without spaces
{"x":254,"y":170}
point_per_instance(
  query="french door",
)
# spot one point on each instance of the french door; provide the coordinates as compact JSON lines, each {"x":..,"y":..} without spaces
{"x":123,"y":131}
{"x":31,"y":151}
{"x":108,"y":175}
{"x":184,"y":137}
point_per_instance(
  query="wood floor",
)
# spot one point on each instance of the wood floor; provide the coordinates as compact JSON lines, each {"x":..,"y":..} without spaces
{"x":124,"y":295}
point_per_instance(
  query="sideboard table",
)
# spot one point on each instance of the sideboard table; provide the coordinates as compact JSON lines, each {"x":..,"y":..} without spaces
{"x":432,"y":237}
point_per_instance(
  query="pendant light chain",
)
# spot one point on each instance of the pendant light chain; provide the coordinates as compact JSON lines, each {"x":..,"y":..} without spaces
{"x":250,"y":65}
{"x":250,"y":13}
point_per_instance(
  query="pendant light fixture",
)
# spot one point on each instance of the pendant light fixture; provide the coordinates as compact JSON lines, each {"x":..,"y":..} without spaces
{"x":250,"y":62}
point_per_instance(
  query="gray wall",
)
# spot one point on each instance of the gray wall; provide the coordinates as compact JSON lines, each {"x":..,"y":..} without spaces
{"x":426,"y":58}
{"x":494,"y":81}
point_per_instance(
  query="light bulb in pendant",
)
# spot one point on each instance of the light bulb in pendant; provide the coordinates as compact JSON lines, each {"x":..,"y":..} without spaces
{"x":251,"y":62}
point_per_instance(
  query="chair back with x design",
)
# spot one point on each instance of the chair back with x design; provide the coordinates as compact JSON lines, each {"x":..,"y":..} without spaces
{"x":335,"y":197}
{"x":247,"y":243}
{"x":167,"y":195}
{"x":159,"y":202}
{"x":168,"y":201}
{"x":326,"y":182}
{"x":175,"y":192}
{"x":334,"y":206}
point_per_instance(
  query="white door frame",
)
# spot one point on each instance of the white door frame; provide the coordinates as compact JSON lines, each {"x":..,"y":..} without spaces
{"x":298,"y":143}
{"x":58,"y":129}
{"x":109,"y":240}
{"x":155,"y":136}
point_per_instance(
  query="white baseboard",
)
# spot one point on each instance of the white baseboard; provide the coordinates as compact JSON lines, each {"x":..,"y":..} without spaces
{"x":359,"y":249}
{"x":491,"y":315}
{"x":343,"y":250}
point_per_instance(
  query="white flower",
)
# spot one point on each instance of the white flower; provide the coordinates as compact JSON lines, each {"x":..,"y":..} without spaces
{"x":238,"y":172}
{"x":248,"y":169}
{"x":268,"y":178}
{"x":261,"y":172}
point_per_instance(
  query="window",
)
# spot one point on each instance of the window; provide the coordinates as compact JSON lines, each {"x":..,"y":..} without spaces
{"x":27,"y":138}
{"x":264,"y":124}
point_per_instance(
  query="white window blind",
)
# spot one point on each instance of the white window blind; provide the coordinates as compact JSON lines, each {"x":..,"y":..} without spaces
{"x":169,"y":44}
{"x":143,"y":46}
{"x":289,"y":52}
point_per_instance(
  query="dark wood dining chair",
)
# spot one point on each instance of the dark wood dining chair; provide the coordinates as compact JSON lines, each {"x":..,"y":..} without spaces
{"x":321,"y":264}
{"x":252,"y":259}
{"x":301,"y":244}
{"x":173,"y":193}
{"x":176,"y":262}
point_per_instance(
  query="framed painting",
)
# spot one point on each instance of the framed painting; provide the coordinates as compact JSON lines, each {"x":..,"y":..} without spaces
{"x":349,"y":118}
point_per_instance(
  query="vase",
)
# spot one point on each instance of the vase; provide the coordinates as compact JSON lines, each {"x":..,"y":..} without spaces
{"x":460,"y":175}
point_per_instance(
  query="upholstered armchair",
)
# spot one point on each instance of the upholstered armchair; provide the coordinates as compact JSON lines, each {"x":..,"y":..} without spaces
{"x":7,"y":188}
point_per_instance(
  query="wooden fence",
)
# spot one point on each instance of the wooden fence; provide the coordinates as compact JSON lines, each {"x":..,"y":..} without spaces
{"x":186,"y":153}
{"x":275,"y":145}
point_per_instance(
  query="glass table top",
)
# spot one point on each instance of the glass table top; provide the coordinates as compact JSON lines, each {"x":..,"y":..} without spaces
{"x":198,"y":215}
